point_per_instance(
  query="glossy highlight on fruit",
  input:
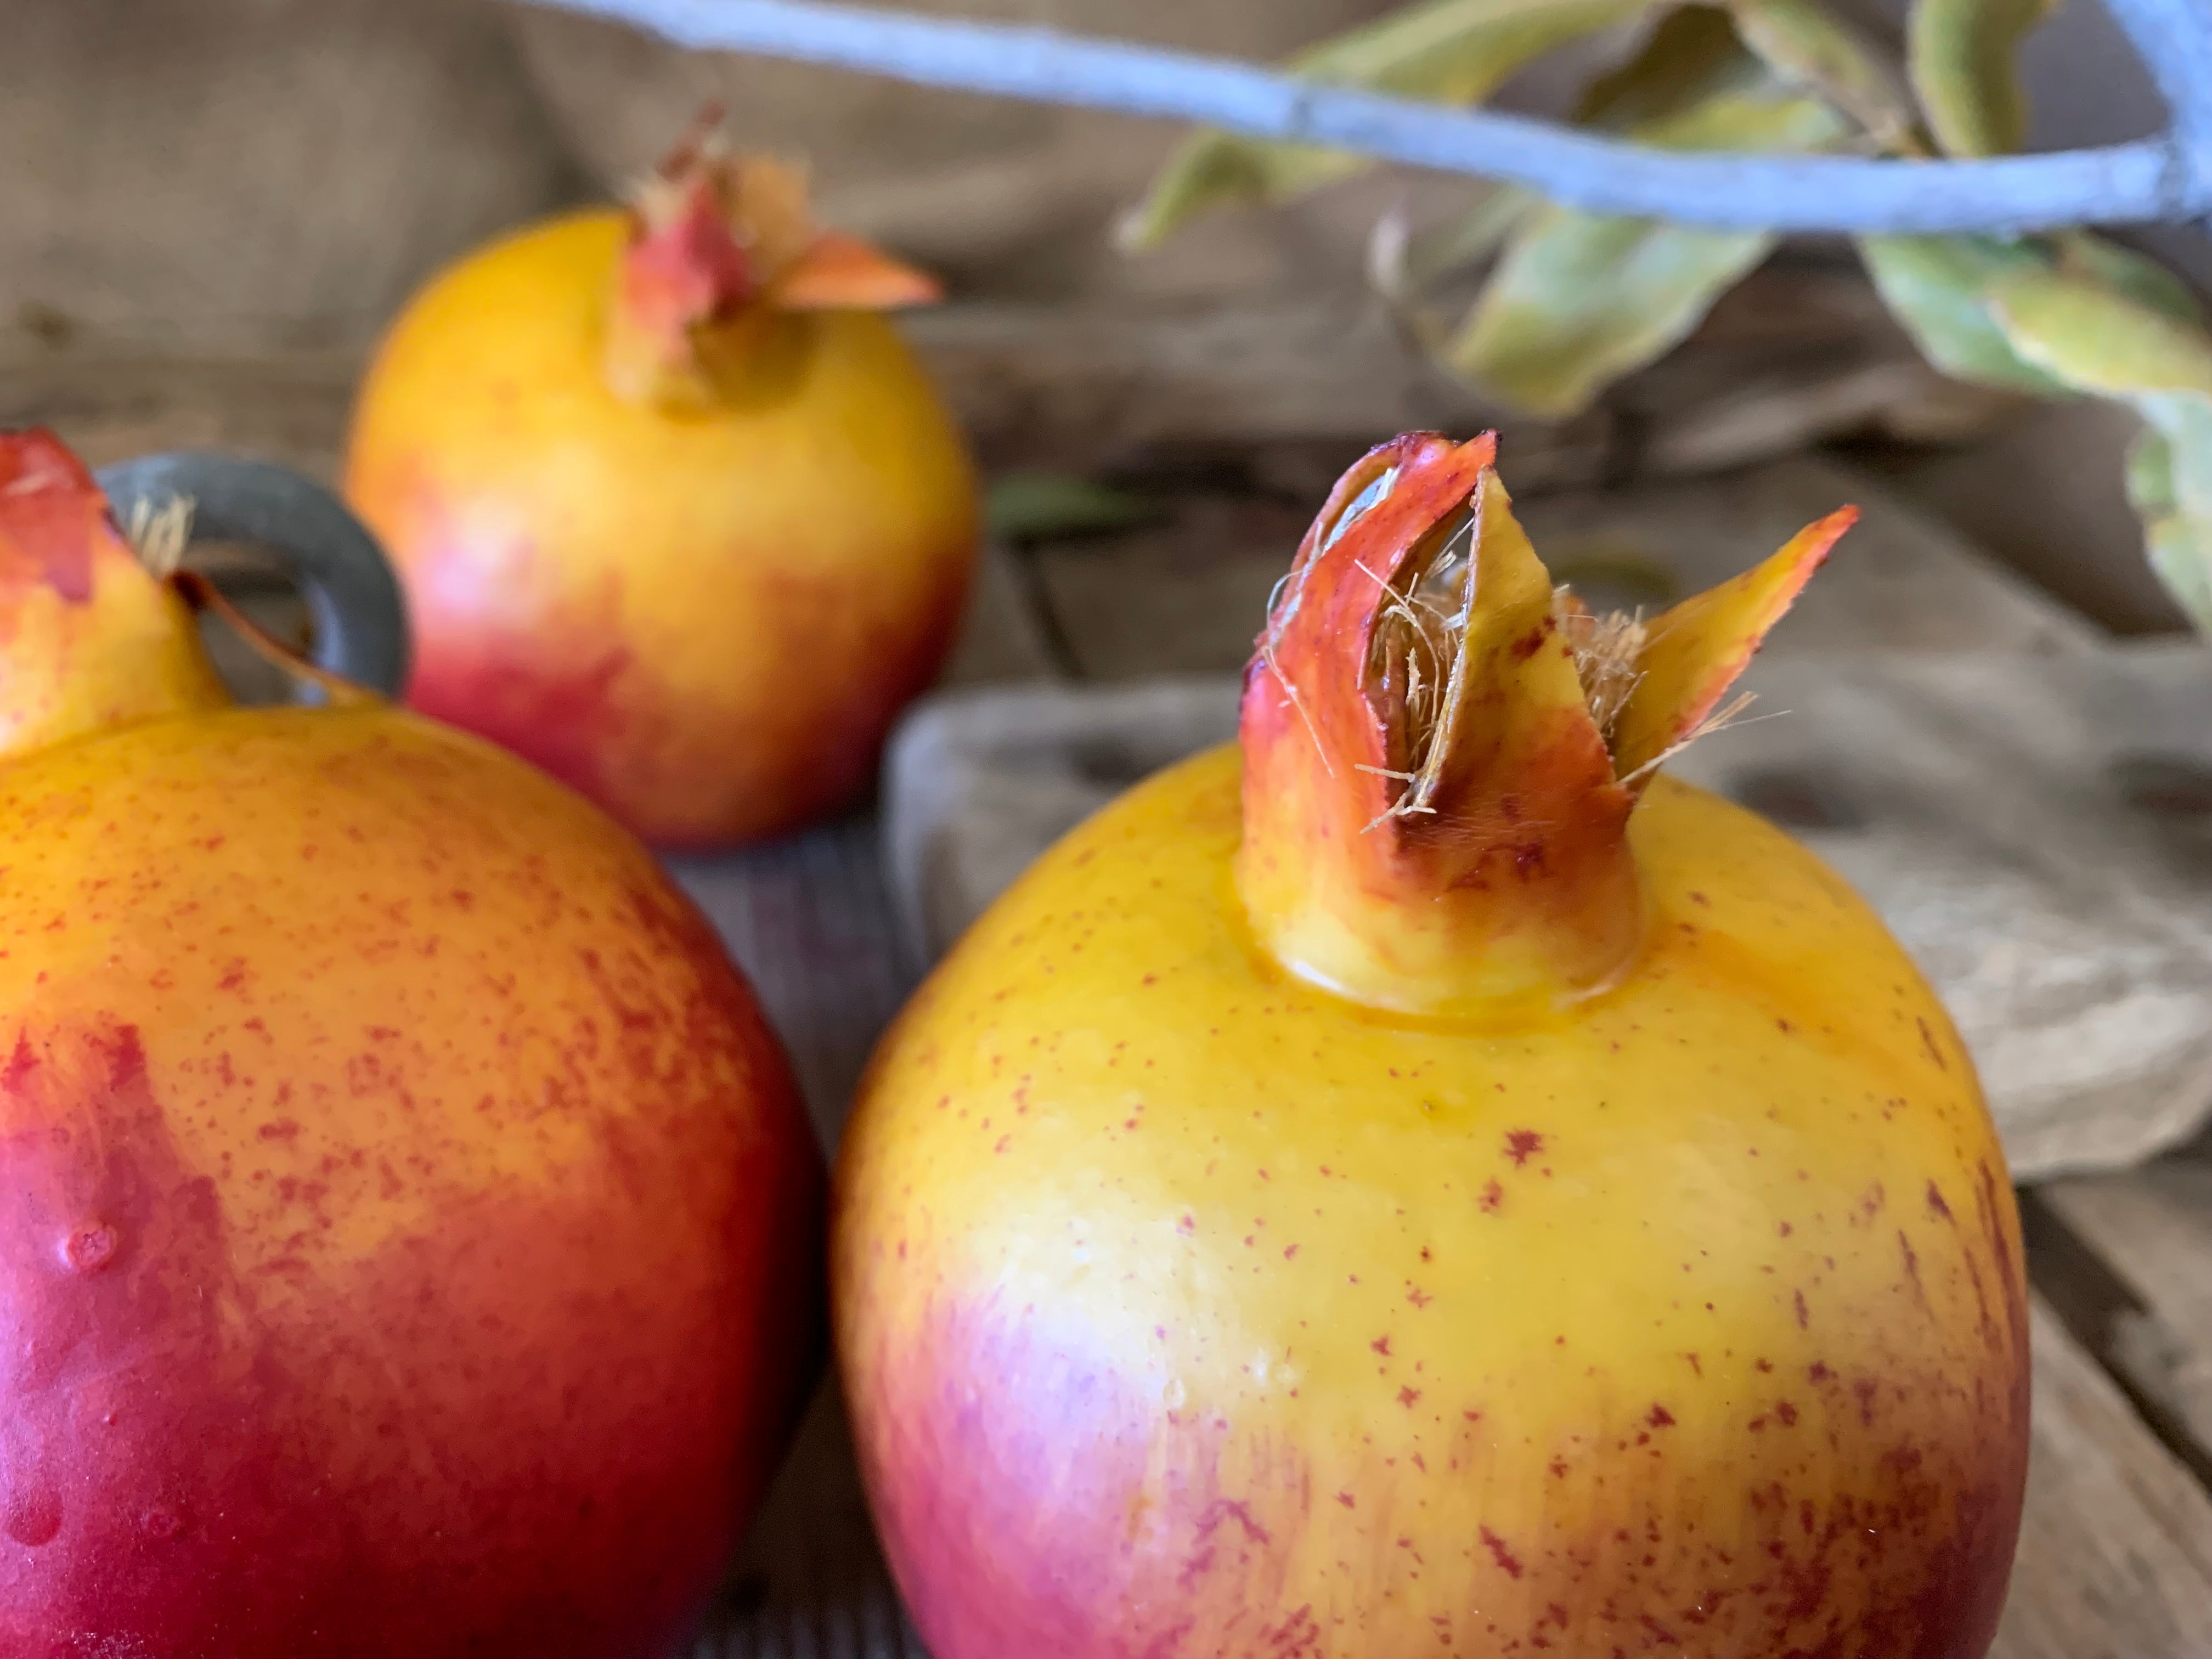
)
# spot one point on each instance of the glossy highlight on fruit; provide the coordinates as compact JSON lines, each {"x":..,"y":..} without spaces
{"x":679,"y":517}
{"x":409,"y":1228}
{"x":1428,"y":1184}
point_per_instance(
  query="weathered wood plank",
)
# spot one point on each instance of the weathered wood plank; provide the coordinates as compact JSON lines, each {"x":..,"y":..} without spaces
{"x":2116,"y":1549}
{"x":2151,"y":1228}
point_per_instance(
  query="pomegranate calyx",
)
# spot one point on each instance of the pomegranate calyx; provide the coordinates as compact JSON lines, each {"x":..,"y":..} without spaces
{"x":1442,"y":751}
{"x":1431,"y":823}
{"x":717,"y":240}
{"x":93,"y":638}
{"x":1688,"y":656}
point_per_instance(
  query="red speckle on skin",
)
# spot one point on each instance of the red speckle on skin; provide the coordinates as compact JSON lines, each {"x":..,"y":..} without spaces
{"x":1928,"y":1045}
{"x":1407,"y":1395}
{"x":1344,"y":1498}
{"x":1522,"y":1144}
{"x":1510,"y":1563}
{"x":1935,"y":1203}
{"x":1787,"y":1412}
{"x":1493,"y":1196}
{"x":1804,"y":1315}
{"x":1380,"y":1345}
{"x":1660,"y":1418}
{"x":1418,"y":1297}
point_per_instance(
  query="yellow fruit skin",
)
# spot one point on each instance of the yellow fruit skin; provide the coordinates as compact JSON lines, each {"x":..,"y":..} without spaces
{"x":1186,"y":1310}
{"x":705,"y":620}
{"x":411,"y":1226}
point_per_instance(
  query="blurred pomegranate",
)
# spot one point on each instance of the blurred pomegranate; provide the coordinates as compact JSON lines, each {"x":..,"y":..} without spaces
{"x":679,"y":517}
{"x":407,"y":1230}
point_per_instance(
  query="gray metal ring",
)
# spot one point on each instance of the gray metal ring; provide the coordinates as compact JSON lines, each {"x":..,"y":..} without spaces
{"x":360,"y":613}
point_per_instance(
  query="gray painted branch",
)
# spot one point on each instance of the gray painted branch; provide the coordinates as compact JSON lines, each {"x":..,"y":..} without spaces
{"x":2174,"y":39}
{"x":2167,"y":178}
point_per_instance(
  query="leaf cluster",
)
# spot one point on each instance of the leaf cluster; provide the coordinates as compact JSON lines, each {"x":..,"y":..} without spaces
{"x":1568,"y":301}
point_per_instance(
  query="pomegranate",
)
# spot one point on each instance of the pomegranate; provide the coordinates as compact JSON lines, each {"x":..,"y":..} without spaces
{"x":1429,"y":1185}
{"x":409,"y":1233}
{"x":678,"y":516}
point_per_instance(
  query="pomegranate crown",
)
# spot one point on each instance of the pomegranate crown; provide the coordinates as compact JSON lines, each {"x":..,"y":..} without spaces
{"x":1443,"y":749}
{"x":715,"y":234}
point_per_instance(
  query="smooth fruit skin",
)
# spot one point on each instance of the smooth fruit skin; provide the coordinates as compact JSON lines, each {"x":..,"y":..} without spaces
{"x":705,"y":621}
{"x":1186,"y":1310}
{"x":408,"y":1226}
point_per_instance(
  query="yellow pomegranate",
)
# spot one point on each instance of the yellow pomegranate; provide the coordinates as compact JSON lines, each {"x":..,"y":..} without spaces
{"x":678,"y":516}
{"x":410,"y":1233}
{"x":1429,"y":1186}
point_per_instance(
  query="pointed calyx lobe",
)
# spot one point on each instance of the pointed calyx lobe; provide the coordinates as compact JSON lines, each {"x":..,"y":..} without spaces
{"x":88,"y":639}
{"x":1442,"y":751}
{"x":718,"y":240}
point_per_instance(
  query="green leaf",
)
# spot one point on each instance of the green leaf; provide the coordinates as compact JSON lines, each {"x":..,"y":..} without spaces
{"x":1962,"y":56}
{"x":2088,"y":334}
{"x":1691,"y":54}
{"x":2104,"y":338}
{"x":1810,"y":47}
{"x":1448,"y":51}
{"x":1939,"y":288}
{"x":2142,"y":279}
{"x":2178,"y":540}
{"x":1021,"y":506}
{"x":1579,"y":299}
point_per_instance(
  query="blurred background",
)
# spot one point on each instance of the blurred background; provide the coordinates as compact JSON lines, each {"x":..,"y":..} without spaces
{"x":213,"y":204}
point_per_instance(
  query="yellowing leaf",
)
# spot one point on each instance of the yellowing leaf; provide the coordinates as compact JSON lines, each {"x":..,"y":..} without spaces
{"x":1448,"y":51}
{"x":1962,"y":55}
{"x":1579,"y":299}
{"x":2142,"y":279}
{"x":2102,"y":338}
{"x":1809,"y":46}
{"x":2176,"y":519}
{"x":1691,"y":54}
{"x":1939,"y":288}
{"x":2092,"y":337}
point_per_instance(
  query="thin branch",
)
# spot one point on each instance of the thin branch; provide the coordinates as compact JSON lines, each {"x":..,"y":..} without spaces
{"x":2173,"y":37}
{"x":2152,"y":179}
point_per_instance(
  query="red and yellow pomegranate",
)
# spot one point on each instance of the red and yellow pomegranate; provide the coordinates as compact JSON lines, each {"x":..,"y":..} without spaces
{"x":679,"y":517}
{"x":1427,"y":1185}
{"x":409,"y":1233}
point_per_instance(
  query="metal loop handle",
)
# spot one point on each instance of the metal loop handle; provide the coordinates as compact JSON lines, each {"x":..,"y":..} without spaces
{"x":360,"y":614}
